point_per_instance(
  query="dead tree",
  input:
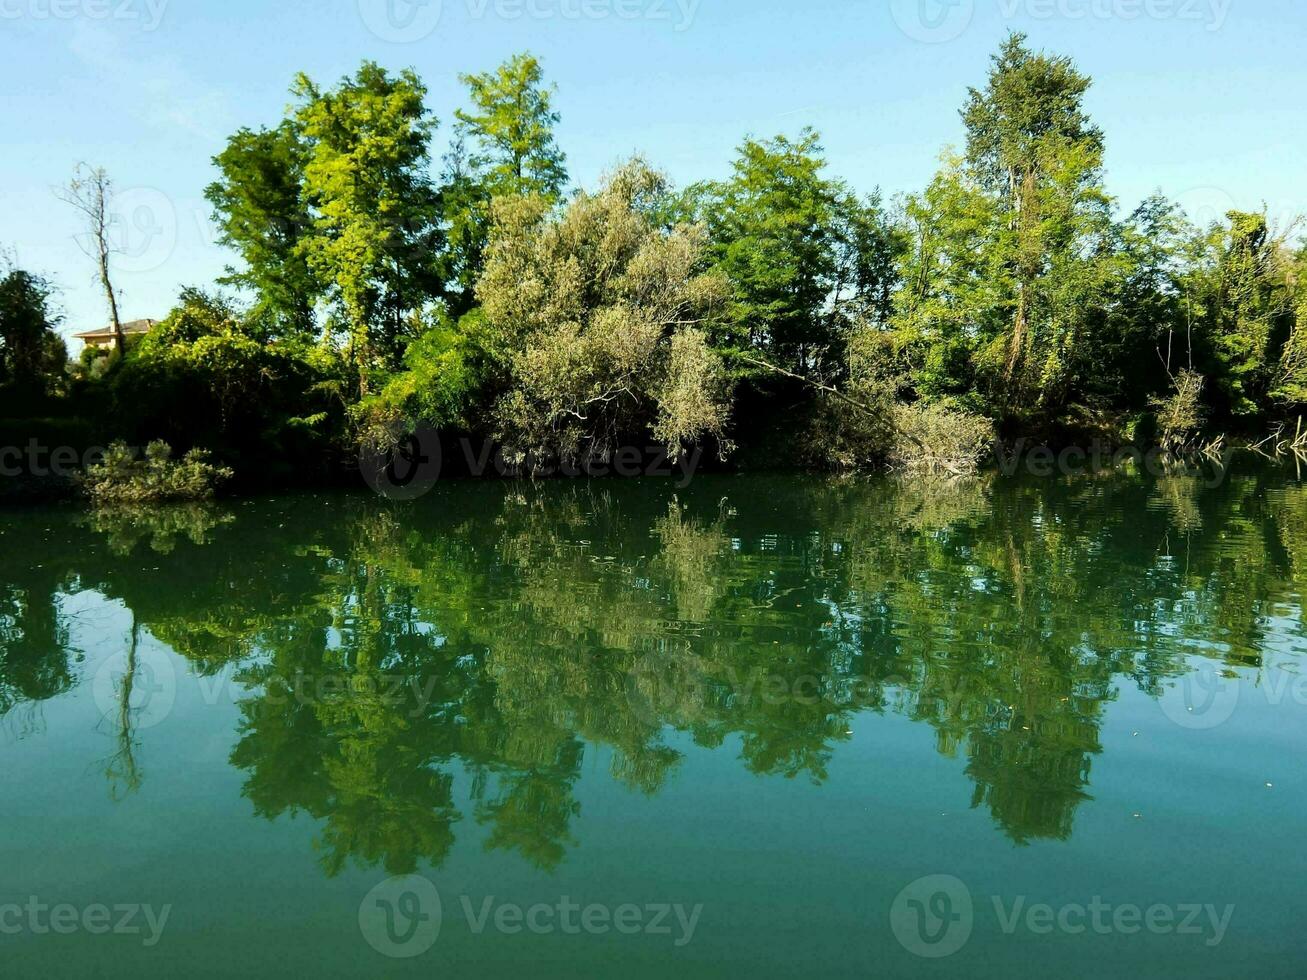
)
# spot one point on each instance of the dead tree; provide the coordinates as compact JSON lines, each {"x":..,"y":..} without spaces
{"x":89,"y":192}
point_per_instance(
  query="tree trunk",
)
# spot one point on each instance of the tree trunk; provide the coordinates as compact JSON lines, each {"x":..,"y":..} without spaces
{"x":119,"y":340}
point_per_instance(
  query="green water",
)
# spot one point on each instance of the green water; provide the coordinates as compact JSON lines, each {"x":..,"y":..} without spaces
{"x":706,"y":731}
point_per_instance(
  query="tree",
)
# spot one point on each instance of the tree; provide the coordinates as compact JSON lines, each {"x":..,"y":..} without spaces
{"x":511,"y":127}
{"x":376,"y":238}
{"x":1239,"y":295}
{"x":1014,"y":264}
{"x":1291,"y":376}
{"x":597,"y":319}
{"x":32,"y":355}
{"x":89,"y":192}
{"x":210,"y":375}
{"x":806,"y":257}
{"x":263,"y":213}
{"x":504,"y":145}
{"x":1147,"y":325}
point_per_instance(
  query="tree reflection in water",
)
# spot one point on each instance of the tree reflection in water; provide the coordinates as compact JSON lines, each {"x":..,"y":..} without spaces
{"x":474,"y":646}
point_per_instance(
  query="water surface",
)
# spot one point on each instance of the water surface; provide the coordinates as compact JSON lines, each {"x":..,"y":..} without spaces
{"x":781,"y":701}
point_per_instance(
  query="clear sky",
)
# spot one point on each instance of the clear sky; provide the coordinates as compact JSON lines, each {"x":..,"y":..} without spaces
{"x":1201,"y":98}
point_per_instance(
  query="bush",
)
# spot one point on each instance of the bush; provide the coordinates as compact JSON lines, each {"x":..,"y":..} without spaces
{"x":937,"y":438}
{"x":124,"y":478}
{"x":1180,"y":415}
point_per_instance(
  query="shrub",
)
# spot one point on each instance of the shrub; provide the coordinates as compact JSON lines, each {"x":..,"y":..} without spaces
{"x":938,"y":438}
{"x":1180,"y":415}
{"x":591,"y":317}
{"x":123,"y":477}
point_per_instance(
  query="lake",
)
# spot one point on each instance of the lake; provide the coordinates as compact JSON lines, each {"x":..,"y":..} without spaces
{"x":760,"y":725}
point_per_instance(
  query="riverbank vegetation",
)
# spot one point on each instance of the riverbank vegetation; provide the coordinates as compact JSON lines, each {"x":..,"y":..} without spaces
{"x":776,"y":316}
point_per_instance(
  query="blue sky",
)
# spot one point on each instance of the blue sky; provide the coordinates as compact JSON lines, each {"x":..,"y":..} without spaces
{"x":1202,"y":98}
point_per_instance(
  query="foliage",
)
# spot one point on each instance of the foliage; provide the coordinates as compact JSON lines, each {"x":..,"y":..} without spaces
{"x":263,"y":214}
{"x":1180,"y":415}
{"x":510,"y":126}
{"x":804,"y":255}
{"x":1239,"y":297}
{"x":1012,"y":265}
{"x":504,"y":146}
{"x":208,"y":375}
{"x":933,"y":436}
{"x":374,"y":210}
{"x":124,"y":477}
{"x":588,"y":314}
{"x":773,"y":309}
{"x":32,"y":354}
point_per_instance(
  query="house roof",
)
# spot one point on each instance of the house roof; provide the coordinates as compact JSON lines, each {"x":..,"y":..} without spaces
{"x":131,"y":327}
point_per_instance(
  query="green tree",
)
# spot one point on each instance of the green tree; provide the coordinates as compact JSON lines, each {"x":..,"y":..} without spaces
{"x":32,"y":355}
{"x":805,"y":256}
{"x":209,"y":375}
{"x":1291,"y":377}
{"x":1014,"y":263}
{"x":376,"y":238}
{"x":263,"y":213}
{"x":1147,"y":325}
{"x":511,"y":129}
{"x":504,"y":145}
{"x":1239,"y":294}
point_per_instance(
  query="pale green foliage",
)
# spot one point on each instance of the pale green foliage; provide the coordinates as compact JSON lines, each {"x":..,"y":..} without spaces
{"x":936,"y":437}
{"x":693,"y":395}
{"x":583,"y":314}
{"x":1180,"y":414}
{"x":124,"y":477}
{"x":1291,"y":380}
{"x":865,"y":425}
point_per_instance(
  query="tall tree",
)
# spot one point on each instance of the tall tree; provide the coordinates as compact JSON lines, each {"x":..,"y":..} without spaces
{"x":89,"y":192}
{"x":504,"y":145}
{"x":1020,"y":231}
{"x":263,"y":213}
{"x":376,"y":236}
{"x":511,"y":129}
{"x":1147,"y":326}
